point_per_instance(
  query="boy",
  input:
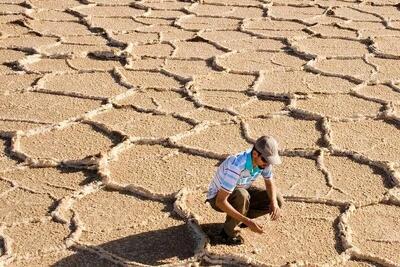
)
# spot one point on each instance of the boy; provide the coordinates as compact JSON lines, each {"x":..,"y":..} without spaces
{"x":230,"y":190}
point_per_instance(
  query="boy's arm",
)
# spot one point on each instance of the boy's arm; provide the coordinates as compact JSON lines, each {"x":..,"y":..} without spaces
{"x":223,"y":204}
{"x":273,"y":202}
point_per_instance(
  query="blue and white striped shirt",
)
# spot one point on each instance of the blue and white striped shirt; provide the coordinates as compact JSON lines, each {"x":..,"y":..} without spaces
{"x":236,"y":171}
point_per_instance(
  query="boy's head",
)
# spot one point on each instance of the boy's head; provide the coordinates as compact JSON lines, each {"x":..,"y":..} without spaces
{"x":267,"y":148}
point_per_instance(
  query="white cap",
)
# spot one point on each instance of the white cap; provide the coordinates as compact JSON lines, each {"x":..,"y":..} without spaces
{"x":268,"y":147}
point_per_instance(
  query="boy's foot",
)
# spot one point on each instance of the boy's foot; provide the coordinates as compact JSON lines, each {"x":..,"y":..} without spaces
{"x":242,"y":225}
{"x":228,"y":240}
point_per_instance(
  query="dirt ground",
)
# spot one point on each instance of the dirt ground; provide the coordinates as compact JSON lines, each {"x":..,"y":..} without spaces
{"x":114,"y":115}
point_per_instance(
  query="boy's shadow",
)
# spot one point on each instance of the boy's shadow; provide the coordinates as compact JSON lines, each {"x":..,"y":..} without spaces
{"x":151,"y":248}
{"x":213,"y":232}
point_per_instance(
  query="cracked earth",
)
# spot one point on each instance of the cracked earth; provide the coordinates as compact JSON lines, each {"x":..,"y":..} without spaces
{"x":114,"y":115}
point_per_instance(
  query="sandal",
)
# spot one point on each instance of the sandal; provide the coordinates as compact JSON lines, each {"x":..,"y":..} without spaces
{"x":242,"y":225}
{"x":231,"y":240}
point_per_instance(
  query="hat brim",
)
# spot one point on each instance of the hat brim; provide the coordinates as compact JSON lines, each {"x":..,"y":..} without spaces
{"x":274,"y":160}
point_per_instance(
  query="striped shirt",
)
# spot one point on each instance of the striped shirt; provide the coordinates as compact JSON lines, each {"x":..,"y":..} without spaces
{"x":236,"y":171}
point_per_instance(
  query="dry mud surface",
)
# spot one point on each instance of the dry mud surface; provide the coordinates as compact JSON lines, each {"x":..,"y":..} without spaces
{"x":115,"y":113}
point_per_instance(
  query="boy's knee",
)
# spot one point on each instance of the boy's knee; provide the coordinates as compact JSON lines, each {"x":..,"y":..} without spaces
{"x":239,"y":197}
{"x":240,"y":200}
{"x":242,"y":194}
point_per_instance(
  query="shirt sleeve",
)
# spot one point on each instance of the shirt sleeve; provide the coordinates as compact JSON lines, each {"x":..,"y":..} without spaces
{"x":267,"y":173}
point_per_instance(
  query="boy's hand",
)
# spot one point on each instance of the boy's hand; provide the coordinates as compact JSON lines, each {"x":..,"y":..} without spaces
{"x":255,"y":227}
{"x":275,"y":211}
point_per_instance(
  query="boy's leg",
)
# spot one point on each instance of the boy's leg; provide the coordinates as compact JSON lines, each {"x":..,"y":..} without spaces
{"x":259,"y":202}
{"x":213,"y":204}
{"x":240,"y":200}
